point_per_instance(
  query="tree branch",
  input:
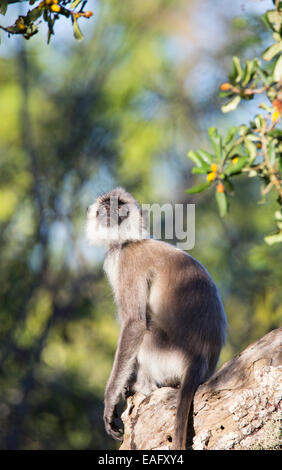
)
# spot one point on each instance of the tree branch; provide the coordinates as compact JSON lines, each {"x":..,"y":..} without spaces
{"x":237,"y":408}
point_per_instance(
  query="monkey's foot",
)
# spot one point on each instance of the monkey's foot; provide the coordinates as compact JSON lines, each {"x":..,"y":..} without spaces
{"x":127,"y":392}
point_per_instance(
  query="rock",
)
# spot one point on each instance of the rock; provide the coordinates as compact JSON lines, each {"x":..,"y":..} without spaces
{"x":239,"y":407}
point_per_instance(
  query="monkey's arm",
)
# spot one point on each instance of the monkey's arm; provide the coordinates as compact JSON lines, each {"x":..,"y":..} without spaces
{"x":131,"y":336}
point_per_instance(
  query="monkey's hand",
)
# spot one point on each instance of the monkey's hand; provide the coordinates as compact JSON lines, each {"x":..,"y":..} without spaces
{"x":109,"y":419}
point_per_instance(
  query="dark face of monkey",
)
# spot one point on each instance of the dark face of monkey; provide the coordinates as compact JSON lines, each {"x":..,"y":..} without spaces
{"x":112,"y":211}
{"x":115,"y":218}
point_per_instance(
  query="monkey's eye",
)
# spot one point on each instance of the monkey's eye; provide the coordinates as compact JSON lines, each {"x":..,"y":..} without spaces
{"x":120,"y":203}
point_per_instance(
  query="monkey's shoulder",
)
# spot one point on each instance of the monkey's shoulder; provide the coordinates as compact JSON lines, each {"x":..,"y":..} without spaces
{"x":150,"y":254}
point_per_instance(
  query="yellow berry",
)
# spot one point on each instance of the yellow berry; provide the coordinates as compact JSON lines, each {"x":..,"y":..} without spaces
{"x":259,"y":145}
{"x":235,"y":160}
{"x":220,"y":188}
{"x":214,"y":167}
{"x":55,"y":8}
{"x":275,"y":116}
{"x":211,"y":176}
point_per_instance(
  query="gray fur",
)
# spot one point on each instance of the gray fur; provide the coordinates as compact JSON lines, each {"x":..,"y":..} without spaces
{"x":172,"y":319}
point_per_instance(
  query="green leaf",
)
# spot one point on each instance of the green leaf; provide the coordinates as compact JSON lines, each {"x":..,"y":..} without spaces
{"x":3,"y":6}
{"x":224,"y":94}
{"x":75,"y":3}
{"x":249,"y":68}
{"x":216,"y":140}
{"x":237,"y":69}
{"x":231,"y":105}
{"x":231,"y":134}
{"x":206,"y":156}
{"x":222,"y":203}
{"x":279,"y":163}
{"x":229,"y":186}
{"x":243,"y":129}
{"x":199,"y":188}
{"x":198,"y":171}
{"x":251,"y":148}
{"x":264,"y":76}
{"x":272,"y":151}
{"x":275,"y":238}
{"x":272,"y":51}
{"x":274,"y":19}
{"x":275,"y":133}
{"x":34,"y":14}
{"x":267,"y":22}
{"x":76,"y":31}
{"x":198,"y":160}
{"x":232,"y":168}
{"x":265,"y":107}
{"x":259,"y":121}
{"x":277,"y":73}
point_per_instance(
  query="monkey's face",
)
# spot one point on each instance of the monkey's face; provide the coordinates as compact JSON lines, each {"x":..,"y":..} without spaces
{"x":114,"y":218}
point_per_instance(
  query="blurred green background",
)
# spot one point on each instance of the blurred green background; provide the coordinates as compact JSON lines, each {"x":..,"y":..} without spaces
{"x":122,"y":107}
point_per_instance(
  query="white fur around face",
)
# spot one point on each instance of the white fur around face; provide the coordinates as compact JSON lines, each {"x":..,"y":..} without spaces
{"x":111,"y":268}
{"x":130,"y":229}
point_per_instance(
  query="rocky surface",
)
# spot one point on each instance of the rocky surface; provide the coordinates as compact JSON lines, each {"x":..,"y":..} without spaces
{"x":239,"y":407}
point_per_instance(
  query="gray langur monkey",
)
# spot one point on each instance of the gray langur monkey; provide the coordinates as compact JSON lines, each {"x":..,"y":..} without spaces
{"x":172,"y":319}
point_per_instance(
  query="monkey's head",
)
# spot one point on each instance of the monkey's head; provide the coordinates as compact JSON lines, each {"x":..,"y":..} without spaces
{"x":115,"y":218}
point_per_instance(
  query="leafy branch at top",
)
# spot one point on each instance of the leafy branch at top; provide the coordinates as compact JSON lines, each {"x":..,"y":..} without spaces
{"x":256,"y":148}
{"x":49,"y":11}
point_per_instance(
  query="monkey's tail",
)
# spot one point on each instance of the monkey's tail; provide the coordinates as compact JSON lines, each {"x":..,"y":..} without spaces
{"x":192,"y":378}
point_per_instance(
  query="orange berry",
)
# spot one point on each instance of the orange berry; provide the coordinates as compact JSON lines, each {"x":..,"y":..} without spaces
{"x":259,"y":145}
{"x":225,"y":86}
{"x":55,"y":8}
{"x":211,"y":176}
{"x":214,"y":167}
{"x":277,"y":104}
{"x":235,"y":160}
{"x":220,"y":188}
{"x":88,"y":14}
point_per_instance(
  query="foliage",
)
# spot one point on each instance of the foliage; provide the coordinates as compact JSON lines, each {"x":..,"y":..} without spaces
{"x":77,"y":120}
{"x":65,"y":138}
{"x":254,"y":149}
{"x":48,"y":11}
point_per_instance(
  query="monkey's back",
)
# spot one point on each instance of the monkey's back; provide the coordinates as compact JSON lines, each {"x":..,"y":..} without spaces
{"x":184,"y":306}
